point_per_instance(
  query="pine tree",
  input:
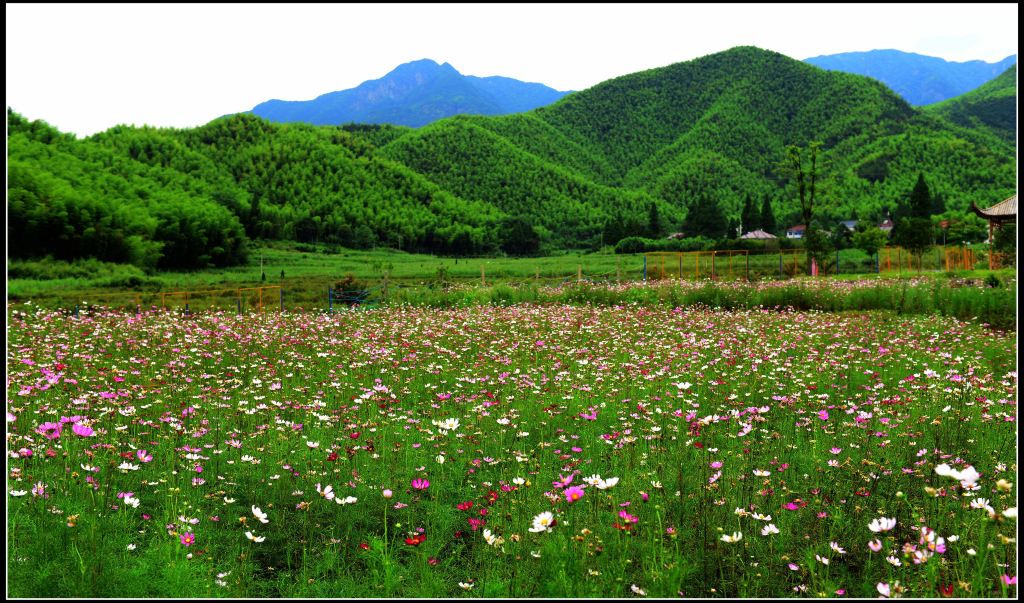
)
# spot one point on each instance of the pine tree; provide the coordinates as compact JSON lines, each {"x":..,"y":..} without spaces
{"x":653,"y":222}
{"x":767,"y":216}
{"x":750,"y":218}
{"x":920,"y":199}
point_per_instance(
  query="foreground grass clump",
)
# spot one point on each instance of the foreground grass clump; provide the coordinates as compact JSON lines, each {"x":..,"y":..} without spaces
{"x":510,"y":451}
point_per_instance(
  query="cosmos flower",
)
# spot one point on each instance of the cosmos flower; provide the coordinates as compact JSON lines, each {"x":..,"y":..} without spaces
{"x":875,"y":545}
{"x":769,"y":530}
{"x":734,"y":537}
{"x":82,"y":430}
{"x":420,"y":484}
{"x":188,"y":539}
{"x":259,"y":514}
{"x":882,"y":524}
{"x":543,"y":522}
{"x":255,"y":538}
{"x":573,"y":493}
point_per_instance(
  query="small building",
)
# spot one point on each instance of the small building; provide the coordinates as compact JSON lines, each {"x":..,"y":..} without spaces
{"x":999,"y":214}
{"x":796,"y":232}
{"x":676,"y":235}
{"x":886,"y":226}
{"x":850,"y":225}
{"x":758,"y":234}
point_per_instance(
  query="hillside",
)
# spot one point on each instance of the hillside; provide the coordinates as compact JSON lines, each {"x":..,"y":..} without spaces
{"x":920,"y":79}
{"x":992,"y":106}
{"x":629,"y":156}
{"x":413,"y":94}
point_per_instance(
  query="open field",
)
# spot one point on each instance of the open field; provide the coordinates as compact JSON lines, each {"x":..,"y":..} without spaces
{"x":546,"y":450}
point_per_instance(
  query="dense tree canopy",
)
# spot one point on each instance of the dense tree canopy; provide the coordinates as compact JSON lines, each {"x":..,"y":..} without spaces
{"x":633,"y":156}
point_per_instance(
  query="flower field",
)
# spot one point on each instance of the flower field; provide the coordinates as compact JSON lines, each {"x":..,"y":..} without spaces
{"x":523,"y":451}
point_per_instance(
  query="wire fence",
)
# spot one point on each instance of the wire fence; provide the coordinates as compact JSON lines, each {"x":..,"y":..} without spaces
{"x":713,"y":265}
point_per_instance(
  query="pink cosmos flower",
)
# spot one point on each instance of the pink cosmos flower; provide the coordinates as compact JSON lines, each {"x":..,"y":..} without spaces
{"x":1009,"y":580}
{"x":188,"y":539}
{"x":420,"y":484}
{"x":82,"y":430}
{"x":823,"y":415}
{"x":49,"y":430}
{"x":875,"y":545}
{"x":573,"y":493}
{"x":716,"y":464}
{"x":144,"y":456}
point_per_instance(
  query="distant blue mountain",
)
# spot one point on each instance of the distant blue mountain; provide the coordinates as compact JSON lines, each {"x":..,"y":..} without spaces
{"x":414,"y":94}
{"x":919,"y":79}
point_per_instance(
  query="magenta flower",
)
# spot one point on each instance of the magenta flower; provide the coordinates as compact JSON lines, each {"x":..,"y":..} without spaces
{"x":188,"y":539}
{"x":573,"y":493}
{"x":143,"y":456}
{"x":49,"y":430}
{"x":716,"y":464}
{"x":1009,"y":580}
{"x":823,"y":415}
{"x":82,"y":430}
{"x":420,"y":484}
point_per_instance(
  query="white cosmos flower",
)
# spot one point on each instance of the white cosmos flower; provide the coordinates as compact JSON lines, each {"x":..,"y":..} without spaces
{"x":228,"y":500}
{"x":126,"y":466}
{"x":466,"y":585}
{"x":882,"y":524}
{"x":518,"y":481}
{"x":18,"y":492}
{"x":131,"y":501}
{"x":894,"y":561}
{"x":638,"y":590}
{"x":327,"y":492}
{"x":735,"y":537}
{"x":259,"y":514}
{"x":593,"y":480}
{"x":760,"y":473}
{"x":835,"y":547}
{"x":543,"y":522}
{"x":348,"y":500}
{"x":312,"y":444}
{"x":447,"y":424}
{"x":760,"y":517}
{"x":493,"y":539}
{"x":1010,"y":513}
{"x":769,"y":529}
{"x":253,"y":538}
{"x":604,"y":484}
{"x":439,"y":458}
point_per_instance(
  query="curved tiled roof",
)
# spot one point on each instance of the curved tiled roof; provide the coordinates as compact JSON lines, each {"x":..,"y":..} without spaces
{"x":1004,"y":210}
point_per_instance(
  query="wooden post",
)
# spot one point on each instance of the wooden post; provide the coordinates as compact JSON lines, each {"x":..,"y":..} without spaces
{"x":680,"y":268}
{"x":579,"y":273}
{"x":696,"y":266}
{"x":260,"y":299}
{"x":163,"y":305}
{"x":618,"y":272}
{"x":713,"y":254}
{"x":483,"y":278}
{"x":899,"y":259}
{"x":645,"y":267}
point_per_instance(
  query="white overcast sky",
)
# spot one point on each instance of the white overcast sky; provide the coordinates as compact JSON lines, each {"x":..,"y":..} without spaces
{"x":85,"y":68}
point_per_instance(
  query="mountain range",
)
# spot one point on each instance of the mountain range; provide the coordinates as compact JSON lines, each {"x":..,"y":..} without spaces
{"x":413,"y":94}
{"x":920,"y":79}
{"x":632,"y":155}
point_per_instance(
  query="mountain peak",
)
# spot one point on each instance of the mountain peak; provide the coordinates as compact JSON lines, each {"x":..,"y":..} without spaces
{"x":413,"y":94}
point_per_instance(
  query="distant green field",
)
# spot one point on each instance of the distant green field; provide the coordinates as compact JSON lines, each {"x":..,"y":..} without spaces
{"x":306,"y":275}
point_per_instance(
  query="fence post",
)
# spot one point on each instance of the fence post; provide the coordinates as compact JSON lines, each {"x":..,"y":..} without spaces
{"x":618,"y":271}
{"x":680,"y":268}
{"x":282,"y":299}
{"x":330,"y":301}
{"x":878,"y":262}
{"x":780,"y":263}
{"x":747,"y":255}
{"x":645,"y":267}
{"x":713,"y":265}
{"x":579,"y":273}
{"x":837,"y":262}
{"x":483,"y":277}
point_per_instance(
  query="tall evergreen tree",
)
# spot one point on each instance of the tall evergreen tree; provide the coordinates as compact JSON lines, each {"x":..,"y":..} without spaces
{"x":750,"y":218}
{"x":920,"y":199}
{"x":767,"y":216}
{"x":653,"y":222}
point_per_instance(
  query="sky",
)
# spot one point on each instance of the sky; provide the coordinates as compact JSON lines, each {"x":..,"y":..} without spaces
{"x":86,"y":68}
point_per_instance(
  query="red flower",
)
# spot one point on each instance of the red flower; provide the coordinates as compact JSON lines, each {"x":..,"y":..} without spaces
{"x":492,"y":497}
{"x":947,"y":590}
{"x":333,"y":456}
{"x":354,"y":435}
{"x":365,"y":546}
{"x":416,"y":540}
{"x":465,"y":506}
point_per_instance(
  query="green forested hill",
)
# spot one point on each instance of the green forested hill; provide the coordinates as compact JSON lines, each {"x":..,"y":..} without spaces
{"x":593,"y":167}
{"x":992,"y":106}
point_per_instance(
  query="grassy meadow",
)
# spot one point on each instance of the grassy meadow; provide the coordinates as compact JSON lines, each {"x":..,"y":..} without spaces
{"x":556,"y":449}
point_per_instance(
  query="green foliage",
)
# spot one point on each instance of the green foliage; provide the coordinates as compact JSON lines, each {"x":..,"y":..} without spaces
{"x":870,"y":240}
{"x":992,"y":106}
{"x":632,"y":156}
